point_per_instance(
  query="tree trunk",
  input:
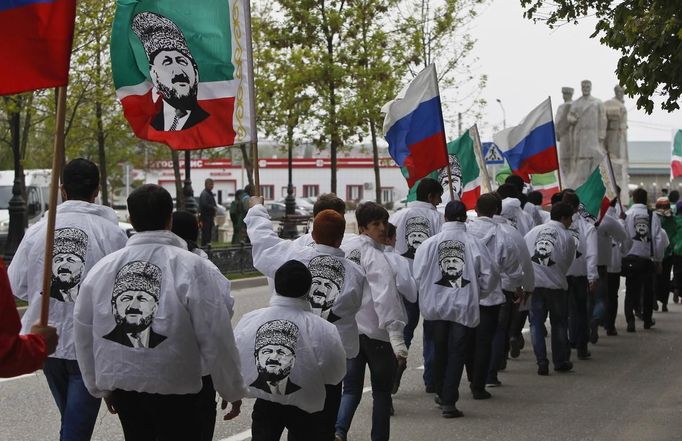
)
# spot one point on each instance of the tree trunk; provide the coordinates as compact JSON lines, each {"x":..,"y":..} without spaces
{"x":375,"y":155}
{"x":27,"y":125}
{"x":104,"y":188}
{"x":179,"y":199}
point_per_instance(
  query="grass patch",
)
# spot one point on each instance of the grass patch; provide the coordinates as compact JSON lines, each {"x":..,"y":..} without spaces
{"x":20,"y":303}
{"x":238,"y":276}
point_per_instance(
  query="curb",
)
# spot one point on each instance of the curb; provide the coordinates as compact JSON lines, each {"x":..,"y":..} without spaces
{"x":251,"y":282}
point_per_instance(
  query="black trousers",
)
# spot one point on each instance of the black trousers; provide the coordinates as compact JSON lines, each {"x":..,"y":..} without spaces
{"x":206,"y":230}
{"x":478,"y":362}
{"x":517,"y":321}
{"x":663,"y":281}
{"x":578,"y":311}
{"x":613,"y":281}
{"x":639,"y":286}
{"x":454,"y":344}
{"x":156,"y":417}
{"x":270,"y":419}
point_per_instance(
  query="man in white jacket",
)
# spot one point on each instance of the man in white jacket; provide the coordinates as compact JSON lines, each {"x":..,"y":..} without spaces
{"x":505,"y":255}
{"x":553,"y":250}
{"x":414,"y":224}
{"x":381,"y":320}
{"x":454,"y":272}
{"x":582,"y":277}
{"x":85,"y":232}
{"x":645,"y":232}
{"x":152,"y":319}
{"x":291,"y":358}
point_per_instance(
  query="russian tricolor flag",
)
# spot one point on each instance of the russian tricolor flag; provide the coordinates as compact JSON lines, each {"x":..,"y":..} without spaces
{"x":414,"y":127}
{"x":530,"y":147}
{"x":35,"y":43}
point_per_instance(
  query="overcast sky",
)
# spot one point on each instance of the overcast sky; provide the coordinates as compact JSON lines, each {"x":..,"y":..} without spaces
{"x":525,"y":62}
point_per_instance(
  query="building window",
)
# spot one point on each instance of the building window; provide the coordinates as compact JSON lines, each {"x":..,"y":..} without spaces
{"x":311,"y":191}
{"x":386,"y":195}
{"x":353,"y":192}
{"x":284,"y":191}
{"x":268,"y":192}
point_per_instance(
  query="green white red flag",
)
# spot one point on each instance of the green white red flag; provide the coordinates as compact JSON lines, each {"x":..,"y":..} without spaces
{"x":676,"y":161}
{"x":547,"y":184}
{"x":466,"y":174}
{"x":592,"y":193}
{"x":181,"y":71}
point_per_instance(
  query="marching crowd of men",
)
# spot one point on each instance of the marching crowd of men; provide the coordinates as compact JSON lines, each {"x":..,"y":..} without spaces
{"x":145,"y":322}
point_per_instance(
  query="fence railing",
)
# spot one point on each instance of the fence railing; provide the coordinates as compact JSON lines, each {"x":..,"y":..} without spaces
{"x":232,"y":259}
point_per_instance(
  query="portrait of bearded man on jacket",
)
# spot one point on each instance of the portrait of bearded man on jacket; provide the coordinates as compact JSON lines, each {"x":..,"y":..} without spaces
{"x":68,"y":263}
{"x":451,"y":262}
{"x":275,"y":354}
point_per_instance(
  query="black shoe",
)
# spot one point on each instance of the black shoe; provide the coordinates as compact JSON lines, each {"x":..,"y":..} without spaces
{"x":522,"y":342}
{"x":611,"y":332}
{"x":514,"y":348}
{"x":638,"y":315}
{"x":564,"y":367}
{"x":584,"y":355}
{"x":631,"y":327}
{"x":398,"y":377}
{"x":664,"y":308}
{"x":493,"y":383}
{"x":543,"y":370}
{"x":655,"y":306}
{"x":649,"y":325}
{"x":481,"y":394}
{"x":430,"y":389}
{"x":452,"y":413}
{"x":676,"y":297}
{"x":438,"y":401}
{"x":594,"y":331}
{"x":503,"y":365}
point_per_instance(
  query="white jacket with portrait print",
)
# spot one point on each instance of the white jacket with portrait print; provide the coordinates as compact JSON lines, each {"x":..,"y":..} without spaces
{"x":550,"y":271}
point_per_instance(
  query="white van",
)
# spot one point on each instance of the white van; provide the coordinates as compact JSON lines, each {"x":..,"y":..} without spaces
{"x":37,"y":195}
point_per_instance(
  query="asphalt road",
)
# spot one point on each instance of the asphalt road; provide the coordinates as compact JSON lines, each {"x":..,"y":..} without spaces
{"x":630,"y":390}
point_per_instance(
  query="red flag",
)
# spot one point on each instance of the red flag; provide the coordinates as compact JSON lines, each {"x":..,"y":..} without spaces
{"x":35,"y":44}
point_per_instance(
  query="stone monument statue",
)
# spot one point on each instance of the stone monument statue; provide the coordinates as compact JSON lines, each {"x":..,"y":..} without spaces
{"x":563,"y":133}
{"x":587,"y":127}
{"x":616,"y":135}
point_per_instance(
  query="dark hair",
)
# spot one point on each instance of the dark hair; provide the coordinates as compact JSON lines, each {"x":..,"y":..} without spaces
{"x":208,"y":181}
{"x":249,"y":190}
{"x":427,"y":187}
{"x":489,"y":204}
{"x":455,"y":211}
{"x":329,"y":201}
{"x":185,"y":225}
{"x":639,"y":196}
{"x":674,"y":196}
{"x":571,"y":198}
{"x":293,"y":279}
{"x":507,"y":191}
{"x":561,"y":210}
{"x":81,"y":179}
{"x":150,"y":206}
{"x":390,"y":231}
{"x":523,"y":198}
{"x":556,"y":197}
{"x":535,"y":197}
{"x":369,"y":212}
{"x":516,"y":181}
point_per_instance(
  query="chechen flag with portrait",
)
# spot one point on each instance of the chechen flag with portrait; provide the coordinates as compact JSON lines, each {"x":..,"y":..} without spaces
{"x":181,"y":71}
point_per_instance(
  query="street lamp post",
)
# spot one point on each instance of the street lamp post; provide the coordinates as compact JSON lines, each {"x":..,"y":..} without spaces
{"x":289,"y":229}
{"x":17,"y":204}
{"x":187,"y":191}
{"x":504,"y":114}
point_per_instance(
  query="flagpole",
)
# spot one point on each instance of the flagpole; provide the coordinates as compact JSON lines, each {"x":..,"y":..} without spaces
{"x":252,"y":97}
{"x":612,"y":178}
{"x":481,"y":159}
{"x":445,"y":142}
{"x":52,"y":207}
{"x":556,"y":150}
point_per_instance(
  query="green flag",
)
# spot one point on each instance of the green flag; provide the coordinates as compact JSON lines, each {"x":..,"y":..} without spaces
{"x":593,"y":193}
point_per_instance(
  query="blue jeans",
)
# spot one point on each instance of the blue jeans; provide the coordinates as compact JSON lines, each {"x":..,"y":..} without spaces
{"x":555,"y":303}
{"x":77,"y":407}
{"x":378,"y":355}
{"x":454,"y":344}
{"x":578,"y":304}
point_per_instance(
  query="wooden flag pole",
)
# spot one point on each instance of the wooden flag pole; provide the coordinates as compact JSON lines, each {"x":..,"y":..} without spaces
{"x":478,"y":150}
{"x":445,"y":141}
{"x":52,"y":207}
{"x":558,"y":164}
{"x":252,"y":97}
{"x":612,"y":178}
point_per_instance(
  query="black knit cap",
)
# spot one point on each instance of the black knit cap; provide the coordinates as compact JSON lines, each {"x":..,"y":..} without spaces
{"x":293,"y":279}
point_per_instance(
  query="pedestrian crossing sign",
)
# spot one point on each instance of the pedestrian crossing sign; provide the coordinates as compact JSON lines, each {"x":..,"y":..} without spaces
{"x":491,"y":154}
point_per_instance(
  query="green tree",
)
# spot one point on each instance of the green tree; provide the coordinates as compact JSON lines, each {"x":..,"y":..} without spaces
{"x":647,"y":33}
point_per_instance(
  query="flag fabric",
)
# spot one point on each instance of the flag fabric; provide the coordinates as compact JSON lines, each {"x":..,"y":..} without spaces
{"x":466,"y":174}
{"x":676,"y":161}
{"x":35,"y":44}
{"x":530,"y":147}
{"x":592,"y":193}
{"x":414,"y":129}
{"x":547,"y":184}
{"x":181,"y":71}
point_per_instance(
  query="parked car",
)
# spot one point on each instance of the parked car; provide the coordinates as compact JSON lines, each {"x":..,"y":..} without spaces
{"x":276,"y":210}
{"x":302,"y":205}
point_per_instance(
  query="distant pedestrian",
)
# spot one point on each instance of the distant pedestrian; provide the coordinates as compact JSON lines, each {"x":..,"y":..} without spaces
{"x":207,"y":212}
{"x":237,"y":214}
{"x":186,"y":227}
